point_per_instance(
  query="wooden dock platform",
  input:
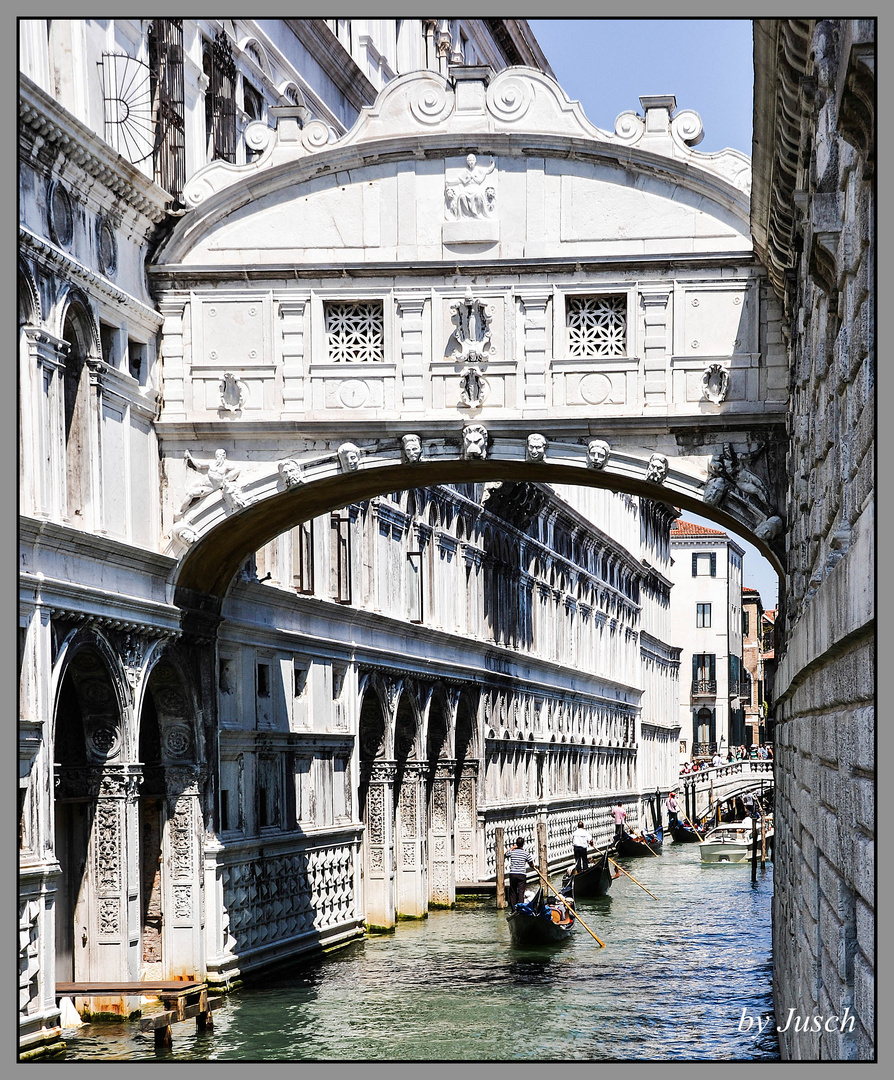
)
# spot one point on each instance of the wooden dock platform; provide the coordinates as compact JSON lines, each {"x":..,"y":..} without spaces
{"x":180,"y":999}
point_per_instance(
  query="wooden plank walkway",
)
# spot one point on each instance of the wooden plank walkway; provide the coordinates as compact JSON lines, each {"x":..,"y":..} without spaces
{"x":180,"y":999}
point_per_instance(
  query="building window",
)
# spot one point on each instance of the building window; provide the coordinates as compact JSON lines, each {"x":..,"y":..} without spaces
{"x":301,"y":669}
{"x":166,"y":88}
{"x":263,"y":680}
{"x":220,"y":99}
{"x":253,"y":107}
{"x":340,"y":562}
{"x":303,"y":558}
{"x":704,"y":564}
{"x":702,"y":614}
{"x":355,"y":332}
{"x":745,"y":623}
{"x":597,"y":326}
{"x":704,"y":674}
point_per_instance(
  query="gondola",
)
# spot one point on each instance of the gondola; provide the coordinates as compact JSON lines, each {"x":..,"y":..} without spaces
{"x":596,"y":880}
{"x":685,"y":834}
{"x":632,"y":847}
{"x":544,"y":919}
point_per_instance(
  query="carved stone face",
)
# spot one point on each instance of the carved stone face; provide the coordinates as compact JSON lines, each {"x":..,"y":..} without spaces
{"x":715,"y":489}
{"x":349,"y":457}
{"x":290,"y":471}
{"x":657,"y":471}
{"x":474,"y":442}
{"x":597,"y":453}
{"x":412,"y":448}
{"x":536,"y":447}
{"x":769,"y":529}
{"x":470,"y":161}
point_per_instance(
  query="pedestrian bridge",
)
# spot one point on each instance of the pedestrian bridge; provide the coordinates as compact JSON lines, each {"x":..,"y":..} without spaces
{"x":474,"y":283}
{"x":703,"y":790}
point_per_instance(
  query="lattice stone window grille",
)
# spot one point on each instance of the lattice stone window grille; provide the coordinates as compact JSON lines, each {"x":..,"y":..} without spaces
{"x":355,"y":332}
{"x":597,"y":326}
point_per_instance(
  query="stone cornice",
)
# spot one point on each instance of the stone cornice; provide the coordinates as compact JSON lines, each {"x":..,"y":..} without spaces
{"x":54,"y":258}
{"x":47,"y":119}
{"x":781,"y":61}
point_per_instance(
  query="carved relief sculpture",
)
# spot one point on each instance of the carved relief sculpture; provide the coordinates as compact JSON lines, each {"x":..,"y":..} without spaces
{"x":535,"y":449}
{"x":657,"y":469}
{"x":715,"y":383}
{"x":290,"y":471}
{"x":473,"y":318}
{"x":411,"y":449}
{"x":349,"y":457}
{"x":598,"y":451}
{"x":233,"y":393}
{"x":474,"y":442}
{"x":220,"y":476}
{"x":728,"y":471}
{"x":474,"y":388}
{"x":468,"y":196}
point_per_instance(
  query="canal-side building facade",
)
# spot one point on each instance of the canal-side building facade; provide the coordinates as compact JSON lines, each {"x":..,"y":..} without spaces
{"x":386,"y":684}
{"x":754,"y":687}
{"x":706,"y":613}
{"x":813,"y":221}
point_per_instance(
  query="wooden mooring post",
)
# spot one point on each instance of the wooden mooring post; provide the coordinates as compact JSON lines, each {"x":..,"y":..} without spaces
{"x":501,"y":867}
{"x":542,"y":858}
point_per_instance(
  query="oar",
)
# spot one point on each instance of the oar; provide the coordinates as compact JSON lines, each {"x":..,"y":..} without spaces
{"x":639,"y":836}
{"x":632,"y":878}
{"x":573,"y":910}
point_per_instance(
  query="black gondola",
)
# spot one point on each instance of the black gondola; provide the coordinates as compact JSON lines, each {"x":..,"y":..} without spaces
{"x":685,"y":834}
{"x":596,"y":880}
{"x":545,"y":920}
{"x":633,"y":847}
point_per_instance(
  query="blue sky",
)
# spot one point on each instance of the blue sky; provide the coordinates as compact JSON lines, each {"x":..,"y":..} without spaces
{"x":608,"y":64}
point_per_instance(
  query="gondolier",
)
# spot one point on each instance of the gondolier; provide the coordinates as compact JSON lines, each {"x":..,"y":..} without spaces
{"x":519,"y":861}
{"x":580,"y":843}
{"x":620,"y":816}
{"x":673,"y":809}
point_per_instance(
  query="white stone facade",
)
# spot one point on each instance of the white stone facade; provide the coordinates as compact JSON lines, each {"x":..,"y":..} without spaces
{"x":706,"y":619}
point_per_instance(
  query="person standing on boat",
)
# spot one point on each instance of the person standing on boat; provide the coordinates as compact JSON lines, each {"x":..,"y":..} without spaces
{"x":580,"y":842}
{"x":620,"y":816}
{"x":673,"y":810}
{"x":519,"y":861}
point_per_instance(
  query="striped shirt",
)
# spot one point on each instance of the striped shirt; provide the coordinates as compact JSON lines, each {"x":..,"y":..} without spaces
{"x":519,"y":860}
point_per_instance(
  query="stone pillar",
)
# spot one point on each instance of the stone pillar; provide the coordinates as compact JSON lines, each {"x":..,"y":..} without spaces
{"x":173,"y":359}
{"x":379,"y":843}
{"x":655,"y":345}
{"x":412,"y":352}
{"x":292,"y":317}
{"x":183,"y":877}
{"x":410,"y":873}
{"x":42,"y":437}
{"x":466,"y":868}
{"x":442,"y":879}
{"x":532,"y":321}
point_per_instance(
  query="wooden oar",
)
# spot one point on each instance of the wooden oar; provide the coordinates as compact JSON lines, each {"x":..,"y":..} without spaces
{"x":639,"y":836}
{"x":632,"y":878}
{"x":573,"y":910}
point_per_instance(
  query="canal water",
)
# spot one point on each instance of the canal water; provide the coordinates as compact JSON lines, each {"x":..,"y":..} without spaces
{"x":676,"y":978}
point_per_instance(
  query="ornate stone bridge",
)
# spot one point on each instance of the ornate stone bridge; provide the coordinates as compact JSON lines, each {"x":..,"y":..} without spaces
{"x":710,"y":786}
{"x":474,"y":283}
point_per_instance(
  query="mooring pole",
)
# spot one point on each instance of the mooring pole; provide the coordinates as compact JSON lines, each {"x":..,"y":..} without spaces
{"x":542,"y":860}
{"x":501,"y":867}
{"x":753,"y":849}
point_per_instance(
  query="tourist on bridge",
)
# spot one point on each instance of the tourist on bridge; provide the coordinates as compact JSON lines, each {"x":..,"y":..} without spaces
{"x":519,"y":861}
{"x":673,"y":810}
{"x":716,"y":760}
{"x":620,"y":816}
{"x":580,"y":842}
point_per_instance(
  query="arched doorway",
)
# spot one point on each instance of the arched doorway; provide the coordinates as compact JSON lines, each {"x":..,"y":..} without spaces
{"x":374,"y":797}
{"x":94,"y":801}
{"x":439,"y":805}
{"x":171,"y":827}
{"x":409,"y":832}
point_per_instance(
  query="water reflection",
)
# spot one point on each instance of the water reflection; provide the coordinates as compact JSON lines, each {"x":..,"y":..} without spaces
{"x":670,"y":984}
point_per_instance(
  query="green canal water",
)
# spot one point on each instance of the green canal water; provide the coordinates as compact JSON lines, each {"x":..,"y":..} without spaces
{"x":671,"y":984}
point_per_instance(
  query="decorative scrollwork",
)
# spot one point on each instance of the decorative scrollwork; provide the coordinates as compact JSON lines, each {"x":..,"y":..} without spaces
{"x":509,"y":98}
{"x":431,"y":104}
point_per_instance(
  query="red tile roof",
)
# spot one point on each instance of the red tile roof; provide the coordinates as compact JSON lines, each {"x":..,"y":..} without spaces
{"x":689,"y":528}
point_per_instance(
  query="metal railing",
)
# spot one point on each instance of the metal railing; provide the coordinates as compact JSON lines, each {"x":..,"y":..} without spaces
{"x":704,"y":687}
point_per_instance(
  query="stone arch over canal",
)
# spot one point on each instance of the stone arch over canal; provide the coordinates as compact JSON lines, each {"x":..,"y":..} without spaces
{"x":474,"y":285}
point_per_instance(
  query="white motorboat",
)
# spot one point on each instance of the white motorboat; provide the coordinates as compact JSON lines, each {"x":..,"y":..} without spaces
{"x":731,"y":841}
